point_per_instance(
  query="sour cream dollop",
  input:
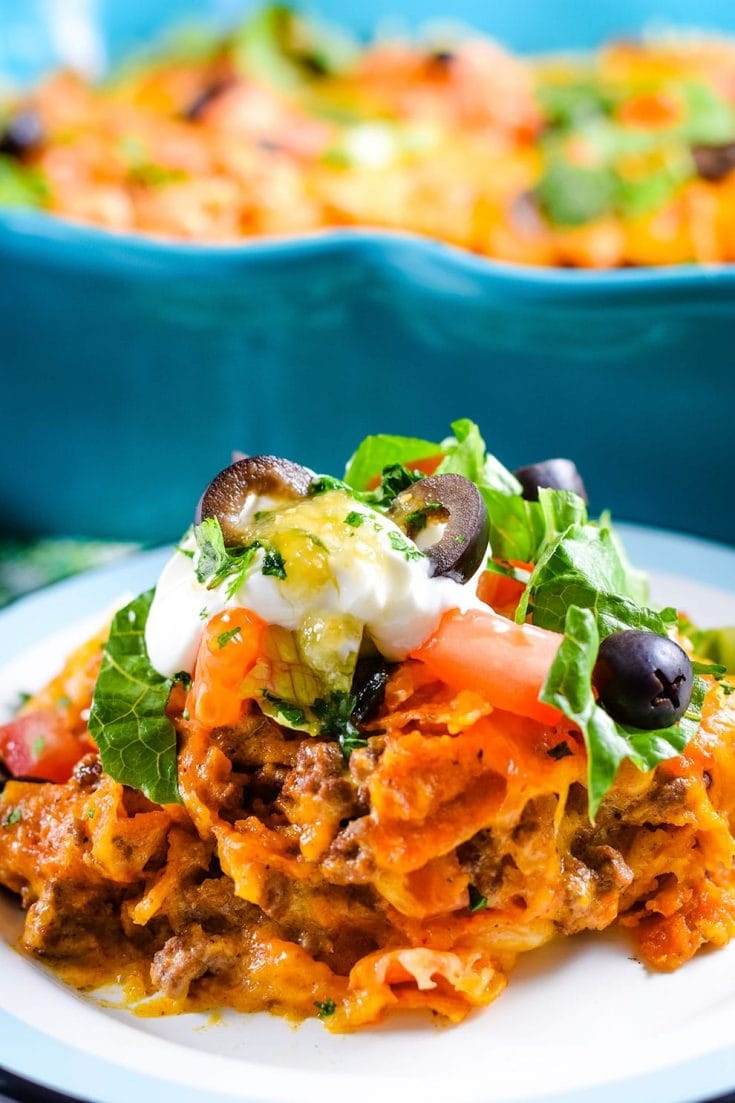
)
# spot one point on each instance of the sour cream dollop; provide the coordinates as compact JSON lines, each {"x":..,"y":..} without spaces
{"x":341,"y":559}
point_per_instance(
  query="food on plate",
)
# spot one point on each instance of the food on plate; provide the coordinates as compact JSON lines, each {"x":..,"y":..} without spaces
{"x":285,"y":125}
{"x":367,"y":741}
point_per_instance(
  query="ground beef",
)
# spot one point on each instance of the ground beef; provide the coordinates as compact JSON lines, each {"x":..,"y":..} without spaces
{"x":187,"y":957}
{"x":70,"y":920}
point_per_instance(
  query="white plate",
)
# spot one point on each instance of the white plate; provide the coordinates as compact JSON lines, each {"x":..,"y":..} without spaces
{"x":580,"y":1020}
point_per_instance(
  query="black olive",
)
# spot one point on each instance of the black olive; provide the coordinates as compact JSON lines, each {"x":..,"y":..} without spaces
{"x":196,"y":109}
{"x":457,"y":502}
{"x":556,"y":474}
{"x":227,"y":493}
{"x":642,"y":679}
{"x":368,"y":686}
{"x":714,"y":162}
{"x":22,"y":134}
{"x":441,"y":60}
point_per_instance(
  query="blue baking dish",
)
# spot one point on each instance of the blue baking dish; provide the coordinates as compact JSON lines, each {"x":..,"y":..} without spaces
{"x":131,"y":367}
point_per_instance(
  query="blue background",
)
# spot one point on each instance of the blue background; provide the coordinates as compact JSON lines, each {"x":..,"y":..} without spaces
{"x":131,"y":368}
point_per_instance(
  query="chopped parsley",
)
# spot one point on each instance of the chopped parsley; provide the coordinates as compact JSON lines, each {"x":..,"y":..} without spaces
{"x":400,"y":544}
{"x":325,"y":1008}
{"x":90,"y":813}
{"x":224,"y":637}
{"x":290,"y":712}
{"x":477,"y":901}
{"x":14,"y":816}
{"x":354,"y":518}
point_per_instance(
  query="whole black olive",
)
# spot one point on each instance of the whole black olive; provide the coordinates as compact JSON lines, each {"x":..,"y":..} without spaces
{"x":556,"y":474}
{"x":714,"y":162}
{"x":456,"y":502}
{"x":22,"y":134}
{"x":226,"y":495}
{"x":642,"y":679}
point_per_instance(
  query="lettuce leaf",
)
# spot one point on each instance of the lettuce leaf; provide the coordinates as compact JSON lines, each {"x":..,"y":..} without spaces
{"x":585,"y":567}
{"x":465,"y":453}
{"x":128,"y":721}
{"x":568,"y":688}
{"x":716,"y":644}
{"x":380,"y":451}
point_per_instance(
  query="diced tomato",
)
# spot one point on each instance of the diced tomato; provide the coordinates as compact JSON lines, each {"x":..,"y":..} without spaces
{"x":651,"y":110}
{"x":506,"y":662}
{"x":427,"y":466}
{"x":40,"y":744}
{"x":500,"y":592}
{"x":229,"y":647}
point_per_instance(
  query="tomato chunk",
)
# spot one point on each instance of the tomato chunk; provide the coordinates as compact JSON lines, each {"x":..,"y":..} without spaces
{"x":506,"y":662}
{"x":229,"y":647}
{"x":40,"y":745}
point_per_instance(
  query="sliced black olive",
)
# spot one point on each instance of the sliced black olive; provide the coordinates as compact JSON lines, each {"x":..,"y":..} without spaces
{"x":441,"y":60}
{"x":208,"y":95}
{"x":556,"y":474}
{"x":226,"y":495}
{"x":642,"y":679}
{"x":714,"y":162}
{"x":368,"y":686}
{"x":457,"y":503}
{"x":22,"y":134}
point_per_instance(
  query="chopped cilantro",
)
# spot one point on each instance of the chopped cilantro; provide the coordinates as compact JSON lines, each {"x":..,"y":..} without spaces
{"x":291,"y":713}
{"x":325,"y":1008}
{"x":460,"y":538}
{"x":394,"y":479}
{"x":224,"y":637}
{"x":335,"y":721}
{"x":14,"y":816}
{"x":560,"y":750}
{"x":316,"y":541}
{"x":323,"y":483}
{"x":203,"y":613}
{"x":216,"y":562}
{"x":273,"y":563}
{"x":477,"y":900}
{"x":399,"y":544}
{"x":419,"y":519}
{"x":354,"y":518}
{"x":90,"y":813}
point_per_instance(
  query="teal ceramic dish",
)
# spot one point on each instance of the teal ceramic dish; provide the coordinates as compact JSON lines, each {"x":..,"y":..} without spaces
{"x":132,"y":367}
